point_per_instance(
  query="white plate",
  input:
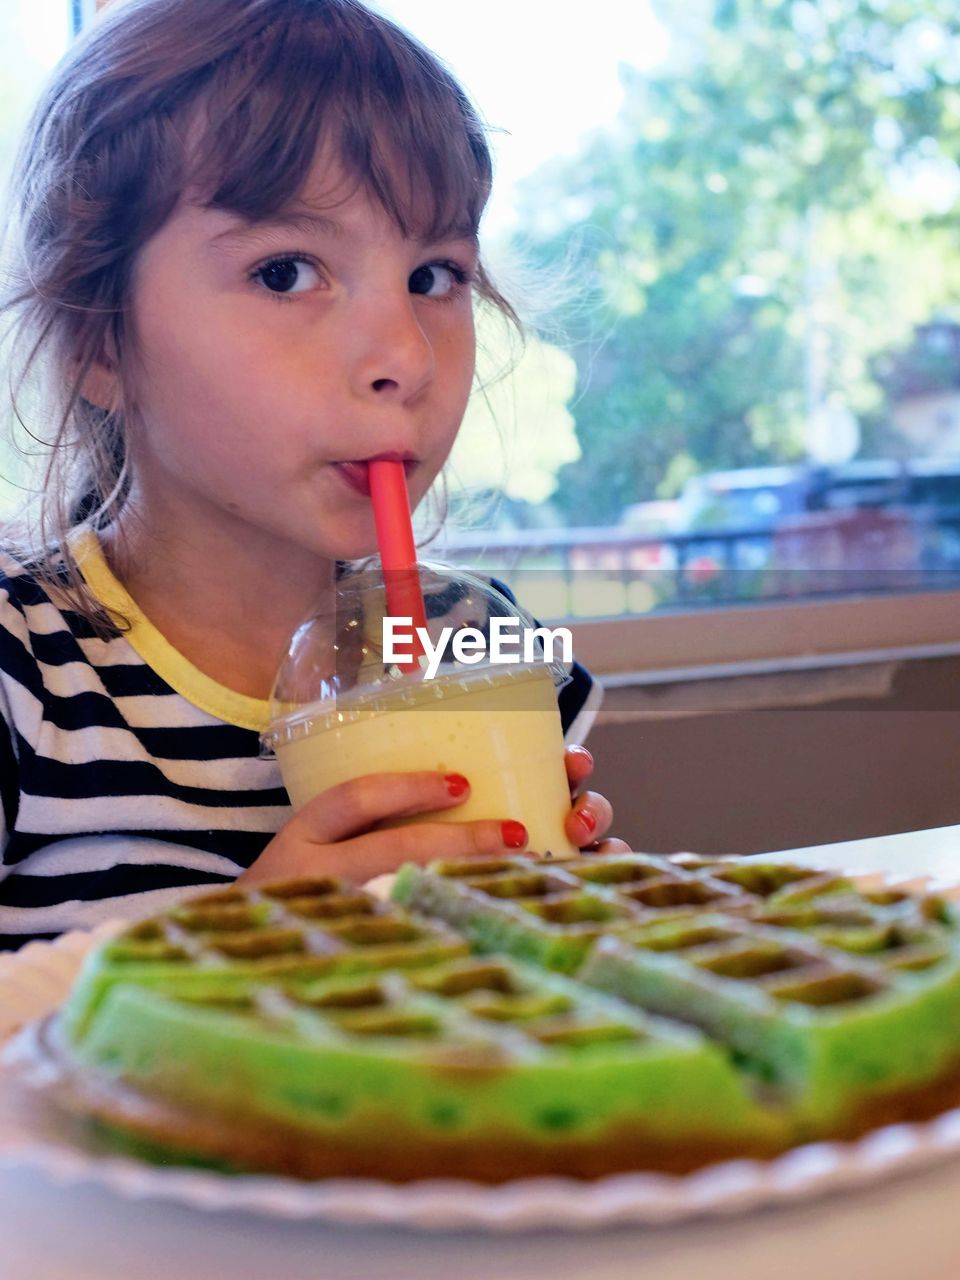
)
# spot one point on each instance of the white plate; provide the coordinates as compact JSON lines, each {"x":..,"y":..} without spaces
{"x":35,"y":980}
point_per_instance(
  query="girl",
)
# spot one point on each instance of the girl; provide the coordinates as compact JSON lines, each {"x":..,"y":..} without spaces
{"x":245,"y":264}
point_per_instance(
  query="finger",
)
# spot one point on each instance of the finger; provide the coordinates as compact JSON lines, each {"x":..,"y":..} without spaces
{"x":612,"y":845}
{"x":354,"y":807}
{"x":381,"y":851}
{"x":590,"y":818}
{"x":579,"y":766}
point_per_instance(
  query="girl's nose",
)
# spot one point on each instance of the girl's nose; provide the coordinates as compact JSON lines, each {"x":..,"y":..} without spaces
{"x":395,"y":357}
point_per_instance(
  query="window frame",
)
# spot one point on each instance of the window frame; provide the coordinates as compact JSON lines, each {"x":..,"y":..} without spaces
{"x":717,"y":642}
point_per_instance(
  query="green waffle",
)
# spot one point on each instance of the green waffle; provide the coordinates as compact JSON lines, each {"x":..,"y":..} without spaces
{"x":235,"y":941}
{"x":207,"y":1034}
{"x":836,"y":997}
{"x":551,"y":913}
{"x":515,"y":1017}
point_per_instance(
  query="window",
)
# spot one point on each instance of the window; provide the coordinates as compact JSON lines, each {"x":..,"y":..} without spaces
{"x":744,"y":384}
{"x":755,"y":210}
{"x":34,"y":34}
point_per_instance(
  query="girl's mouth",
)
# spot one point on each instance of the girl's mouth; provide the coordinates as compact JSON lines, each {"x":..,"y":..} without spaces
{"x":357,"y":474}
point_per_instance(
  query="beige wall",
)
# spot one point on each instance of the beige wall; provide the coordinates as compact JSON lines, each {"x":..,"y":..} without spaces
{"x":779,"y":777}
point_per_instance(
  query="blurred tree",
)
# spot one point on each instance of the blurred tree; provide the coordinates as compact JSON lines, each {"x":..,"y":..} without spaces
{"x":518,"y":431}
{"x":770,"y":212}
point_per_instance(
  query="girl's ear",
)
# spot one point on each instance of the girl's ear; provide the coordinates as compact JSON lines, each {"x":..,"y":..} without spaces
{"x":100,"y":385}
{"x":101,"y":382}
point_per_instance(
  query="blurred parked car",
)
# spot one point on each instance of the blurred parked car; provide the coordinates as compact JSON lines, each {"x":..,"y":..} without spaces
{"x":744,"y":506}
{"x":865,"y":517}
{"x":650,"y":520}
{"x":894,"y":517}
{"x":751,"y":498}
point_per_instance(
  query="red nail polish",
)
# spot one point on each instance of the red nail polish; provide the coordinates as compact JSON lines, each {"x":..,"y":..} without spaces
{"x":457,"y":784}
{"x":582,"y":751}
{"x":514,"y":834}
{"x":589,"y":820}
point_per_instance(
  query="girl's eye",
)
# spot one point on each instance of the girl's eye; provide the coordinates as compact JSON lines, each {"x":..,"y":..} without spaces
{"x":293,"y":274}
{"x":438,"y":279}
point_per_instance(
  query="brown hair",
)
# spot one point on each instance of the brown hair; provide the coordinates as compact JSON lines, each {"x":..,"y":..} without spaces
{"x":229,"y":100}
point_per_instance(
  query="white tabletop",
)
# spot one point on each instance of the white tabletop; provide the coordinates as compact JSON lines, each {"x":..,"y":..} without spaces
{"x":921,"y":853}
{"x":906,"y":1228}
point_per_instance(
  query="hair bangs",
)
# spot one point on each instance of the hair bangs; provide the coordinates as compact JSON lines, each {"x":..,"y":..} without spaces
{"x":365,"y":95}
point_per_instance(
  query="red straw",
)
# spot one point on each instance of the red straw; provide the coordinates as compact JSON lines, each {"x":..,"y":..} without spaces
{"x":398,"y":552}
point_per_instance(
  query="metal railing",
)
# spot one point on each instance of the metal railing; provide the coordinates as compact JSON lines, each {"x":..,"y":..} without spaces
{"x":615,"y":572}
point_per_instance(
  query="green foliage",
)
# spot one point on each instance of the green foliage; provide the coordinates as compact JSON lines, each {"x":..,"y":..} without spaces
{"x":769,"y":215}
{"x":518,"y":430}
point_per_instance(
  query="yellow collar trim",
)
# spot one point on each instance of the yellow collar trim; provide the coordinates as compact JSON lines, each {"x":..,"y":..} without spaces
{"x":143,"y":637}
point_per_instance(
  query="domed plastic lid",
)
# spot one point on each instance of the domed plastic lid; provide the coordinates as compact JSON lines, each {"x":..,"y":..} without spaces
{"x":346,"y":657}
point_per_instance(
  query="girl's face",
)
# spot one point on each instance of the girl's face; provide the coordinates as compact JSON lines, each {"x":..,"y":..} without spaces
{"x":273,"y":360}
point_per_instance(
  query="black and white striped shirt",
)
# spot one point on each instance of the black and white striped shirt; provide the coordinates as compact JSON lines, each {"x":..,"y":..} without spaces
{"x":125,"y":773}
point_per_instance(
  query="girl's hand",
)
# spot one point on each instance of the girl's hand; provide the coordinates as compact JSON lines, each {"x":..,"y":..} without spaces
{"x":589,"y":819}
{"x":337,"y":833}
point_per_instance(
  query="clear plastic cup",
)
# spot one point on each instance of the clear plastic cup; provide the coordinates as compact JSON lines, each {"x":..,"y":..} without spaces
{"x":341,"y":709}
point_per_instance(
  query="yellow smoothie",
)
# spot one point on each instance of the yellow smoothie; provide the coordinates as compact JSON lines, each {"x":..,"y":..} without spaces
{"x":500,"y":728}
